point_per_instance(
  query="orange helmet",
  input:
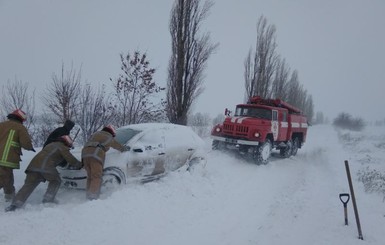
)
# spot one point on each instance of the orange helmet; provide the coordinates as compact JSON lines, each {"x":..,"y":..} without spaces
{"x":19,"y":114}
{"x":67,"y":140}
{"x":109,"y":128}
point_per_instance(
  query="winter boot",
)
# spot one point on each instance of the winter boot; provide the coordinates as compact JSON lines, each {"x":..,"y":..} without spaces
{"x":9,"y":197}
{"x":50,"y":201}
{"x":10,"y":208}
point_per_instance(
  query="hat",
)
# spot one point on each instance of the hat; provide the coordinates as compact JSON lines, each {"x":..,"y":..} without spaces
{"x":66,"y":139}
{"x":18,"y":114}
{"x":109,"y":128}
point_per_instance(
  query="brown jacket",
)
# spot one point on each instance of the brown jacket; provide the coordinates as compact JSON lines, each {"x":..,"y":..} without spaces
{"x":51,"y":156}
{"x":13,"y":137}
{"x":99,"y":144}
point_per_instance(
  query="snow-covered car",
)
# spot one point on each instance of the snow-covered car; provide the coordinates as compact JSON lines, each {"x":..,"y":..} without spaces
{"x":155,"y":149}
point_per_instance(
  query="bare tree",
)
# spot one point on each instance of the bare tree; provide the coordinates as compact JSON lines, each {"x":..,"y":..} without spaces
{"x":249,"y":76}
{"x":200,"y":123}
{"x":218,"y":119}
{"x":190,"y":52}
{"x":281,"y":77}
{"x":267,"y":75}
{"x":95,"y":111}
{"x":62,"y":96}
{"x":16,"y":95}
{"x":45,"y":124}
{"x":294,"y":89}
{"x":308,"y":108}
{"x":134,"y":91}
{"x":319,"y":118}
{"x":298,"y":96}
{"x":259,"y":68}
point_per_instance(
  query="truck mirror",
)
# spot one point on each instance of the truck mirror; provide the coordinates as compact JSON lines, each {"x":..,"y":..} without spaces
{"x":227,"y":112}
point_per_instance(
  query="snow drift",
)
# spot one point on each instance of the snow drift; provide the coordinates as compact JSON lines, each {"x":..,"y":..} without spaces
{"x":227,"y":201}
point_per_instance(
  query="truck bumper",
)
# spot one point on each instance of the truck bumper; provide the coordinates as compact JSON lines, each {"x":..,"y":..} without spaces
{"x":235,"y":141}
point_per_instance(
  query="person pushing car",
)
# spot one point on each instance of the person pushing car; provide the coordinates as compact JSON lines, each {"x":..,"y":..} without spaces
{"x":60,"y":131}
{"x":43,"y":168}
{"x":93,"y":156}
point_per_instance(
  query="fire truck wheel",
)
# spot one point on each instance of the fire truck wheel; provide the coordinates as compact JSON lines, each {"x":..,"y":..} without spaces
{"x":263,"y":153}
{"x":216,"y":145}
{"x":295,"y":146}
{"x":286,"y":152}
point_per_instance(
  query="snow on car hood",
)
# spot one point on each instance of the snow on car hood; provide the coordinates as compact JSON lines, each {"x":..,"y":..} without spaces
{"x":192,"y":140}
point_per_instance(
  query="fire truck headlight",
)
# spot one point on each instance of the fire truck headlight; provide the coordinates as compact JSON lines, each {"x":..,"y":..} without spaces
{"x":256,"y":135}
{"x":218,"y":129}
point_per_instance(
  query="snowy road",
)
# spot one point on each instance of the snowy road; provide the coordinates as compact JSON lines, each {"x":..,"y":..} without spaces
{"x":229,"y":201}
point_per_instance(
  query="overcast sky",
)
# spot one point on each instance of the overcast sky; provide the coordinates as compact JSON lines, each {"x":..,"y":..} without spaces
{"x":337,"y":46}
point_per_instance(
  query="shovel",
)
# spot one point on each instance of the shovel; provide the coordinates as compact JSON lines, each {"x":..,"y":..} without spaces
{"x":344,"y":197}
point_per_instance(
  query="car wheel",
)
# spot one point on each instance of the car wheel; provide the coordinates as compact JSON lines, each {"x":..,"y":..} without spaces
{"x":113,"y":177}
{"x":193,"y":163}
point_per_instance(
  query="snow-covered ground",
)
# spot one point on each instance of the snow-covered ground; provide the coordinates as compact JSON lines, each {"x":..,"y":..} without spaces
{"x":229,"y":201}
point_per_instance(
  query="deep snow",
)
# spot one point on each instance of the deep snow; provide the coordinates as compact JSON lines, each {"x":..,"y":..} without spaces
{"x":227,"y":201}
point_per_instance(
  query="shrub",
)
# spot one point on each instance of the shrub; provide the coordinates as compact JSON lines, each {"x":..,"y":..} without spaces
{"x":346,"y":121}
{"x":373,"y":180}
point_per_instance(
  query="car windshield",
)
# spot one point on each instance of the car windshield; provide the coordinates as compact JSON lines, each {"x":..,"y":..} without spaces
{"x":125,"y":134}
{"x":242,"y":111}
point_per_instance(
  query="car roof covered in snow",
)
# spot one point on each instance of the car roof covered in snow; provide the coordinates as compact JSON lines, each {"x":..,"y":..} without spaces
{"x":149,"y":126}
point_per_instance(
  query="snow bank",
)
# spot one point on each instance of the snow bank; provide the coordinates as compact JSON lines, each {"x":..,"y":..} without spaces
{"x":227,"y":201}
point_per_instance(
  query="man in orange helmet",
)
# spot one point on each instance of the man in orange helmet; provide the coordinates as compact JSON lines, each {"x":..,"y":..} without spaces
{"x":93,"y":156}
{"x":13,"y":137}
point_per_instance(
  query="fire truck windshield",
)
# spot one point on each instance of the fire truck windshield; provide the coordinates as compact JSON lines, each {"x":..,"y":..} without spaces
{"x":243,"y":111}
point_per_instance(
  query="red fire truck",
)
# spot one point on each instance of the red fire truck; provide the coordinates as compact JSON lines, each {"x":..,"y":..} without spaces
{"x":260,"y":126}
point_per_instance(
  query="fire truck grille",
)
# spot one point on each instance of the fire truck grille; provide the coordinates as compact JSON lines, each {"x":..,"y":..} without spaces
{"x":235,"y":130}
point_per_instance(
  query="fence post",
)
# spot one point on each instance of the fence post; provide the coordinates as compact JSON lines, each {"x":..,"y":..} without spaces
{"x":353,"y":200}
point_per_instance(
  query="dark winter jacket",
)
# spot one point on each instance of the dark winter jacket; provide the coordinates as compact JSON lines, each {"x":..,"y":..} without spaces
{"x":13,"y":137}
{"x":65,"y":130}
{"x":50,"y":157}
{"x":99,"y":144}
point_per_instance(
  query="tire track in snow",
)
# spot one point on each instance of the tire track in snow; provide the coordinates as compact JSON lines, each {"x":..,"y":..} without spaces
{"x":313,"y":189}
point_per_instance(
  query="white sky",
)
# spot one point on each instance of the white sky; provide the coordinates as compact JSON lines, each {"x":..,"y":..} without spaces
{"x":337,"y":47}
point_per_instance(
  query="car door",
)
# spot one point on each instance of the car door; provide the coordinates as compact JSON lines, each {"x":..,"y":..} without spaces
{"x":284,"y":125}
{"x":148,"y":154}
{"x":274,"y":125}
{"x":179,"y":146}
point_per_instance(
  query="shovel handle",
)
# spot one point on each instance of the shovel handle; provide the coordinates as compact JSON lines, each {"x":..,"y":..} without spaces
{"x":344,"y":195}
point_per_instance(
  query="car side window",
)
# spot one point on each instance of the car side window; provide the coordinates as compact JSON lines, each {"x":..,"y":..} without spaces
{"x":152,"y":140}
{"x":176,"y":138}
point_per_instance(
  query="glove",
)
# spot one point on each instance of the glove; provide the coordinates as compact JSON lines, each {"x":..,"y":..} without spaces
{"x":126,"y":148}
{"x":63,"y":164}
